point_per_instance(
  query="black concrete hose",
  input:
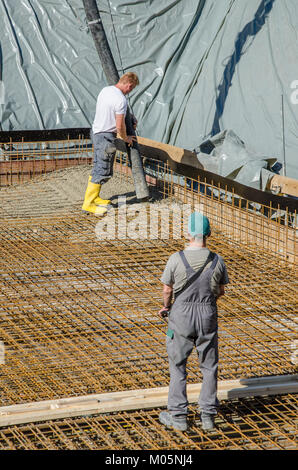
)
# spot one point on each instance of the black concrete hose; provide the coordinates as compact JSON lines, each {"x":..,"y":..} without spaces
{"x":112,"y":76}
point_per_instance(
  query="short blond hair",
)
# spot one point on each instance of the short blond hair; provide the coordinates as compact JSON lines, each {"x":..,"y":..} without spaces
{"x":129,"y":77}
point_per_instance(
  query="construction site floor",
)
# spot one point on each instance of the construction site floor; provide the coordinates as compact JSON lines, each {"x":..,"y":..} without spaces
{"x":78,"y":315}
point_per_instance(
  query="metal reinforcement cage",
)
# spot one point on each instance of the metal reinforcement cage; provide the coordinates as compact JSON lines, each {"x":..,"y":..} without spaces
{"x":78,"y":310}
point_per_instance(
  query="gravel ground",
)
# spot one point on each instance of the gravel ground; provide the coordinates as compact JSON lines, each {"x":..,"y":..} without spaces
{"x":58,"y":192}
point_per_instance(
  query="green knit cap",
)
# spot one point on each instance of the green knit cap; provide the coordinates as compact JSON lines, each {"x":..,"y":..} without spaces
{"x":198,"y":224}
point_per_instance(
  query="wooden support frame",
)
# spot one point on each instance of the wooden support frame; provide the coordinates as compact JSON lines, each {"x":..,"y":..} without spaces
{"x":139,"y":399}
{"x":283,"y":185}
{"x":277,"y":183}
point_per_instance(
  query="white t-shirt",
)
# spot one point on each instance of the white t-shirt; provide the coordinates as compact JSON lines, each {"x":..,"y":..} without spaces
{"x":110,"y":101}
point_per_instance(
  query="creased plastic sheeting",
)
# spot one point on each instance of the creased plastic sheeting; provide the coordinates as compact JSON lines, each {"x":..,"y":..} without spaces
{"x":204,"y":66}
{"x":226,"y":155}
{"x":251,"y":63}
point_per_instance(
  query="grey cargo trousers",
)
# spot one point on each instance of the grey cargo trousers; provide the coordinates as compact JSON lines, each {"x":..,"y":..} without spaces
{"x":193,"y":323}
{"x":104,"y":155}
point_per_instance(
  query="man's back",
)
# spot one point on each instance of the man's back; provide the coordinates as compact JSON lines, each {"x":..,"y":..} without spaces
{"x":175,"y":273}
{"x":110,"y":101}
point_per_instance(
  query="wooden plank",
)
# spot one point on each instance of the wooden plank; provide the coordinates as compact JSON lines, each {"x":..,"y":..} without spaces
{"x":139,"y":399}
{"x":38,"y":166}
{"x":172,"y":153}
{"x":178,"y":156}
{"x":283,"y":185}
{"x":15,"y":171}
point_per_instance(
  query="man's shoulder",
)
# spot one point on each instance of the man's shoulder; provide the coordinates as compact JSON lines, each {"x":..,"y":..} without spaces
{"x":111,"y":90}
{"x":114,"y":93}
{"x":220,"y":265}
{"x":220,"y":259}
{"x":111,"y":95}
{"x":103,"y":90}
{"x":174,"y":258}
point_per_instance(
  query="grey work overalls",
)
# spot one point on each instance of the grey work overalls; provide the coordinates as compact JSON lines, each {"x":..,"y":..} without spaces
{"x":193,"y":322}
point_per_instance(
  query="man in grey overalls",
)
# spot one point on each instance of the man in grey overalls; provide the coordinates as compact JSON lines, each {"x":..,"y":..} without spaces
{"x":197,"y":278}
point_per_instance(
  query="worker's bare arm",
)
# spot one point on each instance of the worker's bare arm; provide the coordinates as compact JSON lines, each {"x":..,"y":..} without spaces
{"x":120,"y":125}
{"x":167,"y":295}
{"x":121,"y":129}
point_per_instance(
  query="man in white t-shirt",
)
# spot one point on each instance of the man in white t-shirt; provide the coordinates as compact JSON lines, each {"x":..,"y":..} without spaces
{"x":109,"y":121}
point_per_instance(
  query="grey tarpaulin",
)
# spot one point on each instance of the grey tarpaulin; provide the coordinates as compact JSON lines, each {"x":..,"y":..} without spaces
{"x":228,"y":156}
{"x":204,"y":66}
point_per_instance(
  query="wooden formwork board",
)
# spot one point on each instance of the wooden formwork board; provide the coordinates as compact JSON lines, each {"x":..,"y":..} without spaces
{"x":140,"y":399}
{"x":19,"y":171}
{"x":175,"y":155}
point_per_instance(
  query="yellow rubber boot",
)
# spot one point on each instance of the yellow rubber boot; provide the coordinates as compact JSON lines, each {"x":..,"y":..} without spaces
{"x":91,"y":194}
{"x":98,"y":201}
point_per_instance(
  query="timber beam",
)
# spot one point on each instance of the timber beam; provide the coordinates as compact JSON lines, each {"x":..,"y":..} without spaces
{"x":140,"y":399}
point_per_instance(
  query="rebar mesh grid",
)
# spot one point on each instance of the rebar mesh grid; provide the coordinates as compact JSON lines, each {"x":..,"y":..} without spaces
{"x":267,"y":423}
{"x":78,"y":314}
{"x":23,"y":161}
{"x":253,"y":224}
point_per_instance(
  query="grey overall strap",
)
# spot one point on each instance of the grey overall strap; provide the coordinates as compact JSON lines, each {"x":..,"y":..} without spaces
{"x":189,"y":270}
{"x":211,"y":257}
